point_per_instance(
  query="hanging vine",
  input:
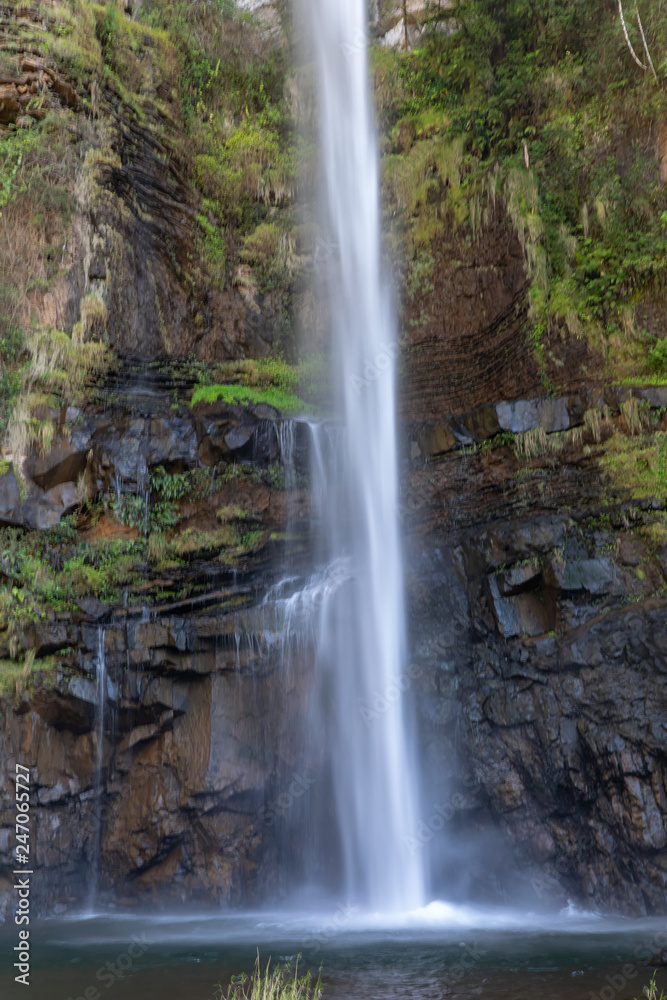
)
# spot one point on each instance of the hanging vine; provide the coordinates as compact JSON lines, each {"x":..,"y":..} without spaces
{"x":629,"y":43}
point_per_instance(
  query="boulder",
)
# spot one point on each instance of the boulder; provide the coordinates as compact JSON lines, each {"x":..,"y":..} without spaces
{"x":529,"y":414}
{"x":65,"y":460}
{"x":10,"y":499}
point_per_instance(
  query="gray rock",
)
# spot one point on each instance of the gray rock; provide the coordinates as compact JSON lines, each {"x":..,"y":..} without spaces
{"x":93,"y":608}
{"x":239,"y":436}
{"x":513,"y":580}
{"x":528,"y":414}
{"x":172,"y":439}
{"x":597,"y":576}
{"x":655,"y":396}
{"x":10,"y":499}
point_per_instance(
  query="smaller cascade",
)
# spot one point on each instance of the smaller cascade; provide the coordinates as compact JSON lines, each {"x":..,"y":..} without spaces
{"x":286,"y":431}
{"x":100,"y":712}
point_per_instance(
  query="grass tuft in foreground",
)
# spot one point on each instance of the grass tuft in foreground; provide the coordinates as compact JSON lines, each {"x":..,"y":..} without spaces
{"x":281,"y":983}
{"x":650,"y":992}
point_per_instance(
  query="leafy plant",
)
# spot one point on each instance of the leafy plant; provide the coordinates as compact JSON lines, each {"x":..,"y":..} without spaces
{"x":657,"y":357}
{"x":650,"y":992}
{"x":280,"y":983}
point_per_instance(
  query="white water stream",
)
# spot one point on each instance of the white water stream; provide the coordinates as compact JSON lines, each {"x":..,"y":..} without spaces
{"x":362,"y":641}
{"x":100,"y":711}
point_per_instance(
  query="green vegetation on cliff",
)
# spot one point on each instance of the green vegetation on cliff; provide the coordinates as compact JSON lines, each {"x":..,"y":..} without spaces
{"x":541,"y":109}
{"x":205,"y":86}
{"x":290,"y":388}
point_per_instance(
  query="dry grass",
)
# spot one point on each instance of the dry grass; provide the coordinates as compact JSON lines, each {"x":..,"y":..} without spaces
{"x":531,"y":444}
{"x":593,"y":424}
{"x":538,"y":444}
{"x":636,"y":416}
{"x":60,"y":367}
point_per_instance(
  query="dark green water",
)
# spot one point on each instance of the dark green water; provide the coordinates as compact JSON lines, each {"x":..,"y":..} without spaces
{"x":183,"y":958}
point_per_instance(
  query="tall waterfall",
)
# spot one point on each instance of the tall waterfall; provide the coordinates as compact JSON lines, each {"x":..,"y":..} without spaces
{"x":362,"y":643}
{"x":100,"y":712}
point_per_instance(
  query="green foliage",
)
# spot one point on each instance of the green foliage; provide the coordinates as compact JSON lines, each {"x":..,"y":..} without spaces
{"x":238,"y":395}
{"x":553,"y":118}
{"x":107,"y":31}
{"x":20,"y":675}
{"x":650,"y":992}
{"x":214,"y":249}
{"x":24,"y":167}
{"x":130,"y":509}
{"x":239,"y":134}
{"x":195,"y":484}
{"x":280,"y":983}
{"x":289,"y":387}
{"x":638,"y":465}
{"x":658,"y":357}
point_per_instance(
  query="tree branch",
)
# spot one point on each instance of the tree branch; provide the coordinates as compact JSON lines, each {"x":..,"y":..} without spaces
{"x":648,"y":54}
{"x":627,"y":38}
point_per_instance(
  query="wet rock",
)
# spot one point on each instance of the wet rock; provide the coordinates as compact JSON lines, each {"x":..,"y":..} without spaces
{"x":660,"y":958}
{"x":655,"y":396}
{"x":238,"y":436}
{"x":436,"y":439}
{"x":483,"y":423}
{"x":10,"y":499}
{"x":172,"y":440}
{"x":597,"y":576}
{"x":93,"y":608}
{"x":65,"y":460}
{"x":520,"y":615}
{"x":527,"y":415}
{"x":516,"y":578}
{"x":557,"y":684}
{"x":97,"y":270}
{"x":65,"y":496}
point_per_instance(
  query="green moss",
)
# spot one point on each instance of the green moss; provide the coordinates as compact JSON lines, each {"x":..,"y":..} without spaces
{"x":549,"y":115}
{"x":213,"y":249}
{"x":251,"y":539}
{"x":306,"y":384}
{"x":638,"y":464}
{"x":21,"y":675}
{"x":234,"y":394}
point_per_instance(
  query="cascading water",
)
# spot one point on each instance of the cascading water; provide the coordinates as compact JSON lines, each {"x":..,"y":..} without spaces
{"x":362,"y":641}
{"x":100,"y":712}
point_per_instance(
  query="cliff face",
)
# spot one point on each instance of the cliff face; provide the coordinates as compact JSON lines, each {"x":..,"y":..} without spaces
{"x":148,"y":533}
{"x":163,"y":782}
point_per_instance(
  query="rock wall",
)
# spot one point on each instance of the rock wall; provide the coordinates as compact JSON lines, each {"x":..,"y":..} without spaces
{"x":537,"y":562}
{"x":200,"y":728}
{"x":539,"y":615}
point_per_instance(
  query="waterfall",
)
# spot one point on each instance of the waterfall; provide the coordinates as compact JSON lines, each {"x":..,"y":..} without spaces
{"x":362,"y":645}
{"x":100,"y":711}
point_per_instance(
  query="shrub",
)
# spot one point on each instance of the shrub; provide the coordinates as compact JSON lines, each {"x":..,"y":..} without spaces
{"x":657,"y":358}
